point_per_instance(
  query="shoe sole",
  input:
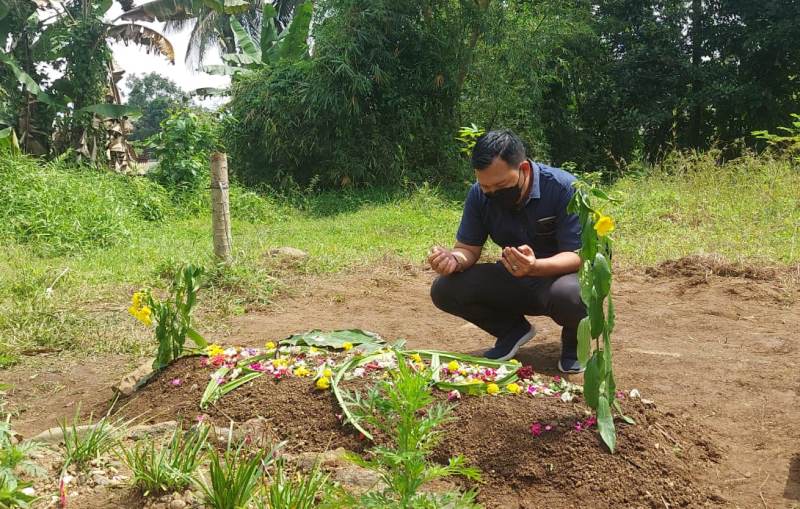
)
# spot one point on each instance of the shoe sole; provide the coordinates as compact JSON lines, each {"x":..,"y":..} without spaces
{"x":570,"y":371}
{"x":524,"y":339}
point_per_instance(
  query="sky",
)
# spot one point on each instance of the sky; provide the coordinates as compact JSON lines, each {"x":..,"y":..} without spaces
{"x":135,"y":60}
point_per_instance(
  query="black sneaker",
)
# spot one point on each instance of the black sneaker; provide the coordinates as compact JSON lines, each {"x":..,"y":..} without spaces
{"x":506,"y":349}
{"x":569,"y":364}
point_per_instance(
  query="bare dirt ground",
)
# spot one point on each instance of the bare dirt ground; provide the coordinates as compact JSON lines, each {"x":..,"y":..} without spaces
{"x":713,"y":345}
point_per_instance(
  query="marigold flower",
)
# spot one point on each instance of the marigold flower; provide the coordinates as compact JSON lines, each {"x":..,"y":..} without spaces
{"x":513,"y":388}
{"x":452,"y":366}
{"x":416,"y":358}
{"x":347,"y":346}
{"x":214,"y":350}
{"x":327,"y":373}
{"x":323,"y":383}
{"x":270,"y":345}
{"x":604,"y":225}
{"x":302,"y":371}
{"x":492,"y":388}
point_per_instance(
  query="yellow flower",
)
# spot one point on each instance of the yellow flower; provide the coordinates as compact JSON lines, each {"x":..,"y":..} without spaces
{"x":137,"y":299}
{"x":312,"y":349}
{"x":302,"y":371}
{"x":416,"y":358}
{"x":214,"y":349}
{"x":347,"y":346}
{"x":513,"y":388}
{"x":323,"y":383}
{"x":604,"y":225}
{"x":327,"y":373}
{"x":452,"y":366}
{"x":492,"y":389}
{"x":280,"y":363}
{"x":270,"y":345}
{"x":145,"y":316}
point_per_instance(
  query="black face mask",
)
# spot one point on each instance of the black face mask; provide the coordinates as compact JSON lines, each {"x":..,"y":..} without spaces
{"x":507,"y":197}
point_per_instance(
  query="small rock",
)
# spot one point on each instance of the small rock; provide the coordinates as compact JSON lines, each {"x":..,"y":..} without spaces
{"x":177,"y":504}
{"x":135,"y":378}
{"x":146,"y":430}
{"x":288,"y":252}
{"x":100,"y":480}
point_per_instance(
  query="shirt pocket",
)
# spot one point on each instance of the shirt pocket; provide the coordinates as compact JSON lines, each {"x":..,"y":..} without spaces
{"x":544,"y":234}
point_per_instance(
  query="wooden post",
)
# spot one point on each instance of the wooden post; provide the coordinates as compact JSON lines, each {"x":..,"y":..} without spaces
{"x":220,"y":209}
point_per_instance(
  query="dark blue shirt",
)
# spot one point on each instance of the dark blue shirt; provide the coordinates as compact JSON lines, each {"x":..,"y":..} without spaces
{"x":542,"y":223}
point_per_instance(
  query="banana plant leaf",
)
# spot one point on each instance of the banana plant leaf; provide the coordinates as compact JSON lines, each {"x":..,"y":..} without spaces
{"x":366,"y":342}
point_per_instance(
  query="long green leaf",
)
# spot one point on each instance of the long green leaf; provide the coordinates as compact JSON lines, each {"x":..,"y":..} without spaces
{"x":244,"y":42}
{"x":622,"y":415}
{"x":592,"y":378}
{"x":584,"y":341}
{"x":294,"y":44}
{"x":240,"y":380}
{"x":602,"y":275}
{"x":195,"y":336}
{"x":113,"y":110}
{"x":209,"y":394}
{"x":605,"y":423}
{"x":24,"y":79}
{"x":269,"y":32}
{"x":337,"y":392}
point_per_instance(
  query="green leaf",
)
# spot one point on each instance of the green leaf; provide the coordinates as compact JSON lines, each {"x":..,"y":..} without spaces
{"x":235,"y":6}
{"x":221,"y":69}
{"x":610,"y":316}
{"x":113,"y":110}
{"x":601,"y":274}
{"x":366,"y":342}
{"x":605,"y":423}
{"x":596,"y":316}
{"x":238,"y":382}
{"x":24,"y":79}
{"x":337,"y":391}
{"x":244,"y":42}
{"x":294,"y":44}
{"x":195,"y":336}
{"x":592,"y":378}
{"x":584,"y":341}
{"x":622,"y":416}
{"x":269,"y":32}
{"x":211,"y":393}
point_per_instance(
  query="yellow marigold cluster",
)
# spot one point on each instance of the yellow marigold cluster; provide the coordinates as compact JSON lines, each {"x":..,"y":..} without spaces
{"x":139,"y":310}
{"x":323,"y":383}
{"x":301,"y":371}
{"x":492,"y":388}
{"x":270,"y":345}
{"x":214,"y":349}
{"x":347,"y":346}
{"x":513,"y":388}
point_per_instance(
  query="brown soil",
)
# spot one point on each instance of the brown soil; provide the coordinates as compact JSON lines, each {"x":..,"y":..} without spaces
{"x":716,"y":350}
{"x":654,"y":464}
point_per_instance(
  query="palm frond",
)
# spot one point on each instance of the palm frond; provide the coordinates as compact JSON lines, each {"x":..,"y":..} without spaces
{"x":151,"y":40}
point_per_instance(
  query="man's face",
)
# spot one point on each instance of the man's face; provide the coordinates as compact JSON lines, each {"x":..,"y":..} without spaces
{"x":500,"y":175}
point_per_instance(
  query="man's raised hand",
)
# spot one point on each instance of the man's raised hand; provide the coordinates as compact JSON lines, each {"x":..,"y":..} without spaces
{"x":442,"y":260}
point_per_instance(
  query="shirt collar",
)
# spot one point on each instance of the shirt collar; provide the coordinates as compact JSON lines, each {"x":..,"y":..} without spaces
{"x":535,"y":193}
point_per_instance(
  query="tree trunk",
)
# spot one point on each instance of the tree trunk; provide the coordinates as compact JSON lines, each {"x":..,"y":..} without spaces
{"x":696,"y":108}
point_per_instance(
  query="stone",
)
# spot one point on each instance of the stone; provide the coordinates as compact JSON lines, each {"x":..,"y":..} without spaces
{"x":287,"y":252}
{"x":141,"y":431}
{"x":100,"y":480}
{"x":135,"y":379}
{"x":177,"y":504}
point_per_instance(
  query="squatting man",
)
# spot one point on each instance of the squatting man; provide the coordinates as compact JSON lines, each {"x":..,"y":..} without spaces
{"x":522,"y":206}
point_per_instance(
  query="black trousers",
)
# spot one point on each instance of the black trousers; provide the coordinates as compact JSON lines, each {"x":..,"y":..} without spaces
{"x":497,"y":302}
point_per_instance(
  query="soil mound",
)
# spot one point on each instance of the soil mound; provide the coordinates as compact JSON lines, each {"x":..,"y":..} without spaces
{"x":710,"y":265}
{"x":656,"y":462}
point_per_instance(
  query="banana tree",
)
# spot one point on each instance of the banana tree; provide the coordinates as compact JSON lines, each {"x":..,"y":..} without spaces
{"x":211,"y":20}
{"x":271,"y":46}
{"x":73,"y":38}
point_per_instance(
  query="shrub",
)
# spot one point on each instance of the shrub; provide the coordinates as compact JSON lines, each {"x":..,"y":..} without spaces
{"x":376,"y":103}
{"x":182,"y":148}
{"x":61,"y":207}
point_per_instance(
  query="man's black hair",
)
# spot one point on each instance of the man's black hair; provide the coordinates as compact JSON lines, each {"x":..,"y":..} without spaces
{"x":503,"y":143}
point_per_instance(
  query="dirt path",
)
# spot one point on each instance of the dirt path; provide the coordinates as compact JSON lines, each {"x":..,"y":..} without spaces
{"x":721,"y":351}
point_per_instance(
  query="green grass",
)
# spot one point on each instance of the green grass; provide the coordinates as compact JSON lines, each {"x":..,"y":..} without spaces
{"x":745,"y":210}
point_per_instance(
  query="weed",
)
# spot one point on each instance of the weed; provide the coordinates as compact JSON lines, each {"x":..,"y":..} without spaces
{"x":303,"y":491}
{"x":83,"y":444}
{"x":403,"y":409}
{"x":235,"y":477}
{"x":168,"y":468}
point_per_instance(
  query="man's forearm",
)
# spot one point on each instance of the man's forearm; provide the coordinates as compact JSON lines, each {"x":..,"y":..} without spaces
{"x":557,"y":265}
{"x":466,"y":257}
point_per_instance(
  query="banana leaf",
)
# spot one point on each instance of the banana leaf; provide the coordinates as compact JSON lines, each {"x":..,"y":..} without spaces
{"x":366,"y":342}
